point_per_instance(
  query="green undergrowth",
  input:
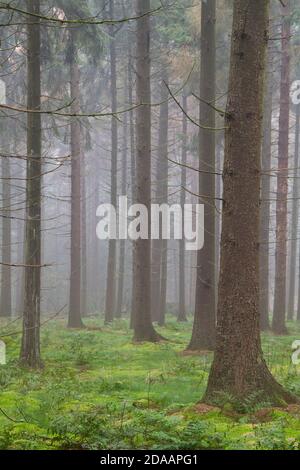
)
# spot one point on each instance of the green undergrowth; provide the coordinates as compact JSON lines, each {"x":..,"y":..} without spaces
{"x":98,"y":390}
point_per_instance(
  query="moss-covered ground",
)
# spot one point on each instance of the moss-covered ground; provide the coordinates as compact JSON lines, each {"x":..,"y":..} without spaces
{"x":98,"y":390}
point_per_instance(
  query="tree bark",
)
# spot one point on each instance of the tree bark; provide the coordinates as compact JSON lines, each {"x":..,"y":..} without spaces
{"x":143,"y":328}
{"x":110,"y":301}
{"x":278,"y":324}
{"x":182,"y":307}
{"x":203,"y":335}
{"x":5,"y":304}
{"x":239,"y":369}
{"x":294,"y":231}
{"x":30,"y":346}
{"x":84,"y":285}
{"x":122,"y":254}
{"x":132,"y":169}
{"x":160,"y":247}
{"x":75,"y":320}
{"x":265,"y":200}
{"x":298,"y":174}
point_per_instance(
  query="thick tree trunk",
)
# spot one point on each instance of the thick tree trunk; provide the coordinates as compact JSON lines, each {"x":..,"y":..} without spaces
{"x":182,"y":307}
{"x":294,"y":231}
{"x":203,"y":335}
{"x":265,"y":200}
{"x":75,"y":278}
{"x":5,"y":304}
{"x":278,"y":324}
{"x":30,"y":346}
{"x":239,"y":369}
{"x":143,"y":328}
{"x":110,"y":301}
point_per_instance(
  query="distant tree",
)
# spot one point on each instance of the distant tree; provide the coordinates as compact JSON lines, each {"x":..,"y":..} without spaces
{"x":122,"y":252}
{"x":75,"y":273}
{"x":6,"y":287}
{"x":85,"y":38}
{"x":297,"y":136}
{"x":110,"y":299}
{"x":160,"y":246}
{"x":294,"y":222}
{"x":264,"y":284}
{"x":279,"y":312}
{"x":84,"y":260}
{"x":143,"y":328}
{"x":182,"y":278}
{"x":203,"y":335}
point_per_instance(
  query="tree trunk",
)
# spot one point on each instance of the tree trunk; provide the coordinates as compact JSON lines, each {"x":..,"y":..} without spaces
{"x":203,"y":335}
{"x":182,"y":307}
{"x":294,"y":232}
{"x":20,"y":287}
{"x":143,"y":328}
{"x":160,"y":247}
{"x":84,"y":243}
{"x":163,"y":283}
{"x":163,"y":158}
{"x":122,"y":253}
{"x":132,"y":170}
{"x":5,"y":305}
{"x":219,"y":165}
{"x":265,"y":200}
{"x":30,"y":347}
{"x":110,"y":301}
{"x":278,"y":325}
{"x":75,"y":279}
{"x":239,"y":369}
{"x":298,"y":174}
{"x":95,"y":244}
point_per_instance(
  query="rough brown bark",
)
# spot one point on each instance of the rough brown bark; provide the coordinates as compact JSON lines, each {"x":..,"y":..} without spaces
{"x":294,"y":231}
{"x":278,"y":324}
{"x":30,"y":346}
{"x":74,"y":320}
{"x":239,"y":369}
{"x":265,"y":200}
{"x":143,"y":328}
{"x":203,"y":335}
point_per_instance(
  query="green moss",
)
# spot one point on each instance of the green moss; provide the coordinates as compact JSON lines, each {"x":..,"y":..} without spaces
{"x":98,"y":390}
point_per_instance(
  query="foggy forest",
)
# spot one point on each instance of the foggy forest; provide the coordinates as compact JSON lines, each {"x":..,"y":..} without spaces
{"x":149,"y":235}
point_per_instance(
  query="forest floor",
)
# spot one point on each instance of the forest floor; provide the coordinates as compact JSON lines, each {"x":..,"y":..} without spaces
{"x":98,"y":390}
